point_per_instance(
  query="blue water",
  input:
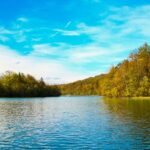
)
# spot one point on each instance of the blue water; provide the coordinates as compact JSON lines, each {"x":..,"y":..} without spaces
{"x":74,"y":123}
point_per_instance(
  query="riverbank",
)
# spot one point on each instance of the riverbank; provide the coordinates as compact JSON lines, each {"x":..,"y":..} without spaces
{"x":140,"y":98}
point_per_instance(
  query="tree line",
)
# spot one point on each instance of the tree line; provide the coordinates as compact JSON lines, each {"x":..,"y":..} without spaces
{"x":20,"y":85}
{"x":129,"y":78}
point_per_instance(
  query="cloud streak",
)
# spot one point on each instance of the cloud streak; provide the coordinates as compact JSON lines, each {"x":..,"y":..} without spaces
{"x":22,"y":19}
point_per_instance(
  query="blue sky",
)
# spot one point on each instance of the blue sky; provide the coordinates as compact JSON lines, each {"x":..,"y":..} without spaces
{"x":67,"y":40}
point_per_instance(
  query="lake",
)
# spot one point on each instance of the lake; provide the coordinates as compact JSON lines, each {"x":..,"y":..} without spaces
{"x":86,"y":122}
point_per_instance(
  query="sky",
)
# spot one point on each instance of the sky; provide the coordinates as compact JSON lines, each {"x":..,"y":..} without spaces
{"x":68,"y":40}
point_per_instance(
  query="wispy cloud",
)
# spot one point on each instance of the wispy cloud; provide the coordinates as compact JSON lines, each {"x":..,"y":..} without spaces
{"x":95,"y":53}
{"x":43,"y":49}
{"x":5,"y":31}
{"x":132,"y":20}
{"x":120,"y":23}
{"x":4,"y":38}
{"x":67,"y":32}
{"x":80,"y":54}
{"x":111,"y":36}
{"x":68,"y":24}
{"x":22,"y":19}
{"x":19,"y":35}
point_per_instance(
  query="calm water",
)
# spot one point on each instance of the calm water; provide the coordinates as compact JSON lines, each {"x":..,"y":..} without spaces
{"x":74,"y":123}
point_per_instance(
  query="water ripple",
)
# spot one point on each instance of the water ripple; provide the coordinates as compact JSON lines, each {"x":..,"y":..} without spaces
{"x":74,"y":123}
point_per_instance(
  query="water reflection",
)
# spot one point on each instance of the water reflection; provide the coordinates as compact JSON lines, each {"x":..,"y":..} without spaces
{"x":125,"y":107}
{"x":134,"y":116}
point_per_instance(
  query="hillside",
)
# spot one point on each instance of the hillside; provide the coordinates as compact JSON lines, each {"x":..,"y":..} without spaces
{"x":131,"y":77}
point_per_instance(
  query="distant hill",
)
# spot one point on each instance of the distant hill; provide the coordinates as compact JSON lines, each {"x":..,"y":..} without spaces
{"x":131,"y":77}
{"x":89,"y":86}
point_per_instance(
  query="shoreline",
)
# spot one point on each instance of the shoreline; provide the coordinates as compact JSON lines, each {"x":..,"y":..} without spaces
{"x":140,"y":98}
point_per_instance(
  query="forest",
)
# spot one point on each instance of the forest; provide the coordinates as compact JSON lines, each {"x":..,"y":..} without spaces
{"x":130,"y":78}
{"x":21,"y":85}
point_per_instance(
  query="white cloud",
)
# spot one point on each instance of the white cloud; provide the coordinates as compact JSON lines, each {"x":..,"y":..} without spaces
{"x":80,"y":54}
{"x":133,"y":20}
{"x":5,"y":31}
{"x":95,"y":53}
{"x":17,"y":34}
{"x":67,"y":32}
{"x":22,"y":19}
{"x":4,"y":38}
{"x":118,"y":24}
{"x":50,"y":70}
{"x":36,"y":39}
{"x":43,"y":49}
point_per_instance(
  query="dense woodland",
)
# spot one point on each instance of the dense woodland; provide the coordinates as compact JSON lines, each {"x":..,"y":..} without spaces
{"x":131,"y":77}
{"x":20,"y":85}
